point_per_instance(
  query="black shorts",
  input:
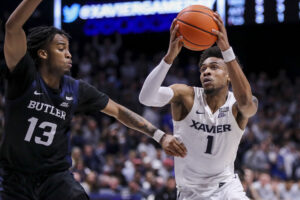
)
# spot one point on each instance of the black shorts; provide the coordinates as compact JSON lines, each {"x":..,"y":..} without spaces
{"x":55,"y":186}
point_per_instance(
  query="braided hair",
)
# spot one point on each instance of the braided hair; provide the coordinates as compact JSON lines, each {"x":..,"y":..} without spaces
{"x":39,"y":37}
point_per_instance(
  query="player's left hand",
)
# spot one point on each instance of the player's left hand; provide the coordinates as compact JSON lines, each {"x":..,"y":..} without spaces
{"x":222,"y":40}
{"x":172,"y":146}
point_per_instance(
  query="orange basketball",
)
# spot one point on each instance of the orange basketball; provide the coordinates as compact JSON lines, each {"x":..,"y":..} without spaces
{"x":195,"y":25}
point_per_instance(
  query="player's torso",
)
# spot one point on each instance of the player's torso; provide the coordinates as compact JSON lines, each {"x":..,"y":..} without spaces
{"x":211,"y":139}
{"x":37,"y":125}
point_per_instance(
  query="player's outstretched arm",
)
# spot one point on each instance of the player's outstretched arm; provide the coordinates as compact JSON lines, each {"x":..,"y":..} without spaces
{"x":246,"y":103}
{"x":132,"y":120}
{"x":152,"y":93}
{"x":15,"y":39}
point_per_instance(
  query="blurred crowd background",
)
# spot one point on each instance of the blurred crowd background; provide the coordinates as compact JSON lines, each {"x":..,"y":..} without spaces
{"x":114,"y":162}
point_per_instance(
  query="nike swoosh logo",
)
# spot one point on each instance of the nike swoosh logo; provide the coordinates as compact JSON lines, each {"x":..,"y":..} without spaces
{"x":69,"y":98}
{"x":37,"y":93}
{"x":199,"y":113}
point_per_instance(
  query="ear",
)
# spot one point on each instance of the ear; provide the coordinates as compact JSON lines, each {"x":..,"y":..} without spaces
{"x":228,"y":78}
{"x":43,"y":54}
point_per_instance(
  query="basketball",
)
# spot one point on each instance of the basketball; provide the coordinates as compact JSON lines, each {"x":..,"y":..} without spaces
{"x":195,"y":25}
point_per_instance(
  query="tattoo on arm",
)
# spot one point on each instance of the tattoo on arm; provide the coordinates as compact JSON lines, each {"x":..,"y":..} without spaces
{"x":135,"y":121}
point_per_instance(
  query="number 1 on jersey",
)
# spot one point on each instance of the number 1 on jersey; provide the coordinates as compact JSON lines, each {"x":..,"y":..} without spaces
{"x":209,"y":144}
{"x":49,"y":134}
{"x":30,"y":130}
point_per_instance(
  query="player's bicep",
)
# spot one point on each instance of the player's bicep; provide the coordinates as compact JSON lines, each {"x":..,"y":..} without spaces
{"x":14,"y":47}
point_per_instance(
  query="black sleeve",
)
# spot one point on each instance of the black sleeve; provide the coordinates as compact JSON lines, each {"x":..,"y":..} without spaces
{"x":90,"y":99}
{"x":20,"y":78}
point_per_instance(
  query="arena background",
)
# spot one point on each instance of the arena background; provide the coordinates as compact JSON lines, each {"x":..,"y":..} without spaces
{"x":113,"y":162}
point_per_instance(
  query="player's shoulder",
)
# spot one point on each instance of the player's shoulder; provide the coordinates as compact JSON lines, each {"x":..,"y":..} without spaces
{"x":70,"y":84}
{"x":69,"y":80}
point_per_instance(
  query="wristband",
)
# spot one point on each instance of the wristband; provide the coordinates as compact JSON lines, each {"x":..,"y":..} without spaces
{"x":228,"y":55}
{"x":158,"y":134}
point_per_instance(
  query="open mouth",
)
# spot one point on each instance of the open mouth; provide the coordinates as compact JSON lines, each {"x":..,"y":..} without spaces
{"x":207,"y":81}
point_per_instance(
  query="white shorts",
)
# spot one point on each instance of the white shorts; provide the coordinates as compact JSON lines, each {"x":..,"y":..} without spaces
{"x":230,"y":190}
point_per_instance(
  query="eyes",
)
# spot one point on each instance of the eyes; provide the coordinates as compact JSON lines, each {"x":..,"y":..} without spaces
{"x":211,"y":66}
{"x":62,"y":48}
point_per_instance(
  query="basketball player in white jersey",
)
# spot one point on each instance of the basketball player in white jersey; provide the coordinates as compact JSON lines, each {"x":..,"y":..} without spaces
{"x":210,"y":121}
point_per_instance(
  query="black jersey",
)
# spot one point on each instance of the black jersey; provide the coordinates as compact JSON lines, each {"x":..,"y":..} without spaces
{"x":37,"y":119}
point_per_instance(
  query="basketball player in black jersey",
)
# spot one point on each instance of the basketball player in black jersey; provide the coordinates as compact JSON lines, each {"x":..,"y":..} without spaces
{"x":40,"y":102}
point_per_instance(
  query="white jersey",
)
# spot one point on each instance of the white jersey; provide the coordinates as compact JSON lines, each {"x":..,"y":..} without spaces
{"x":211,"y":140}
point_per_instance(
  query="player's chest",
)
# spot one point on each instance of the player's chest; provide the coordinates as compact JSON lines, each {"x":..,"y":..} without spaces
{"x":57,"y":107}
{"x":205,"y":115}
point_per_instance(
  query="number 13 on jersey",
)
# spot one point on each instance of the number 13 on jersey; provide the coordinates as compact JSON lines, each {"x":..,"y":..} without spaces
{"x":49,"y":134}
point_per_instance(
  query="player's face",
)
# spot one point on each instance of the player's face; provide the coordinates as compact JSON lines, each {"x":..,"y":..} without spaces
{"x":214,"y":75}
{"x":59,"y":56}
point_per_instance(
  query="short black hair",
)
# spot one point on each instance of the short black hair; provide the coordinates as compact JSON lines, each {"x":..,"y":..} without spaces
{"x":41,"y":36}
{"x":214,"y":51}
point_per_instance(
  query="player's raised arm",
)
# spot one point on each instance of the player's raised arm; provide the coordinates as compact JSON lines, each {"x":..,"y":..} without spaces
{"x":246,"y":103}
{"x":132,"y":120}
{"x":15,"y":39}
{"x":152,"y":93}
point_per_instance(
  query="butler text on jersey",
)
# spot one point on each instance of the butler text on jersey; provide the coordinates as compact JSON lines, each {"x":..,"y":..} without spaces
{"x":39,"y":106}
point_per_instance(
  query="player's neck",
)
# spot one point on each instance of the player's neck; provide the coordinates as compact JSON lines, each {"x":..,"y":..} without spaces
{"x":52,"y":80}
{"x":217,"y":99}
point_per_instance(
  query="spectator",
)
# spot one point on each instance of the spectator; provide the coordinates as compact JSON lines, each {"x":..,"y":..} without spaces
{"x":91,"y":133}
{"x":90,"y":185}
{"x":288,"y":190}
{"x":90,"y":159}
{"x":262,"y":189}
{"x":168,"y":192}
{"x":147,"y":147}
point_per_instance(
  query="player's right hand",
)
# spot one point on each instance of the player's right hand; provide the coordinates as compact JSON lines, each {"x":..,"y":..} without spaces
{"x":172,"y":146}
{"x":175,"y":44}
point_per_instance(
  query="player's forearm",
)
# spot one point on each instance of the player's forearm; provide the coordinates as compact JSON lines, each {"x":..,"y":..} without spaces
{"x":240,"y":85}
{"x":135,"y":121}
{"x":21,"y":14}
